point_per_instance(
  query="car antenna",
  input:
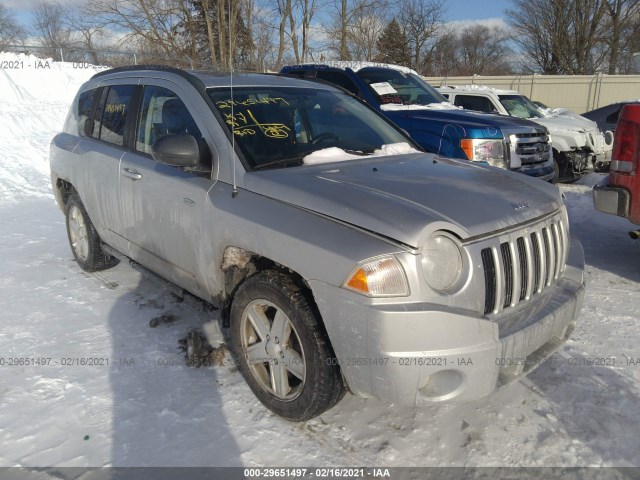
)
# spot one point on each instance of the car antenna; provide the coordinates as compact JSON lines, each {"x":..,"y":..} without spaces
{"x":234,"y":192}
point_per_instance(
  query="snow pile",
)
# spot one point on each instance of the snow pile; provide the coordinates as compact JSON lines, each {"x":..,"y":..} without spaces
{"x":357,"y":65}
{"x":473,"y":87}
{"x":564,"y":112}
{"x":431,"y":106}
{"x":335,"y":154}
{"x":35,"y":95}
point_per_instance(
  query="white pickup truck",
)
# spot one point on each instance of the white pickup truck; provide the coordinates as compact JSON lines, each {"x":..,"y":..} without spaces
{"x":578,"y":145}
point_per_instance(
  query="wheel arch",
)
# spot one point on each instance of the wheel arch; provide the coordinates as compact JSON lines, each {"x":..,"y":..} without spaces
{"x":238,"y":264}
{"x":64,"y":189}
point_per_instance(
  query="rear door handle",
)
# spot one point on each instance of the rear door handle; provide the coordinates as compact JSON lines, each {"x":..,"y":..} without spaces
{"x":127,"y":172}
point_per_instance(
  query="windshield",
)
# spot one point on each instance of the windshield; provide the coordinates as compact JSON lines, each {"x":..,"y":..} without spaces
{"x":519,"y":106}
{"x":280,"y":126}
{"x":394,"y":87}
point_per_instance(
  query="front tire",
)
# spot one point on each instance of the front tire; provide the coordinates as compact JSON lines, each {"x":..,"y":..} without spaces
{"x":83,"y":238}
{"x":281,"y":348}
{"x":556,"y":171}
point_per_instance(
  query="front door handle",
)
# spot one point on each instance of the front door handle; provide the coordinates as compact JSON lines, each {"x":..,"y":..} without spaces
{"x":128,"y":172}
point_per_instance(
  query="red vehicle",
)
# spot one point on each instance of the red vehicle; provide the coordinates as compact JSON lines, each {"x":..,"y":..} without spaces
{"x":619,"y":192}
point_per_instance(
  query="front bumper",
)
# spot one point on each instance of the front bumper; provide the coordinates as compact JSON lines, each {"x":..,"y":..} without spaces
{"x":544,"y":172}
{"x":612,"y":200}
{"x":419,"y":353}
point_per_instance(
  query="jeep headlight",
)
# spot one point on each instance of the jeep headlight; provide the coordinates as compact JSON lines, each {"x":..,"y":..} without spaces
{"x":490,"y":151}
{"x":442,"y":263}
{"x":378,"y":277}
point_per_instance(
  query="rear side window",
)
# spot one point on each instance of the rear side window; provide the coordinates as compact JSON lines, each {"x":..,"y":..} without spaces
{"x":296,"y":73}
{"x":338,"y":78}
{"x":613,"y":117}
{"x":471,"y":102}
{"x":111,"y":114}
{"x":86,"y":105}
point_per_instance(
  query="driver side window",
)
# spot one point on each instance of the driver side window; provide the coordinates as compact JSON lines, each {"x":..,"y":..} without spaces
{"x":163,"y":113}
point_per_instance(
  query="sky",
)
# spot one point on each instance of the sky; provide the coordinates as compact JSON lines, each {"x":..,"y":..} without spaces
{"x":476,"y":9}
{"x":457,"y":10}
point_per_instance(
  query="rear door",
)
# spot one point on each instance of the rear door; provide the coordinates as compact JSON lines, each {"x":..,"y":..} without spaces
{"x":163,"y":206}
{"x":103,"y":118}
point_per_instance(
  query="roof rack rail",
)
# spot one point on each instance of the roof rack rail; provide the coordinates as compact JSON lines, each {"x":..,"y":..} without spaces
{"x":133,"y":68}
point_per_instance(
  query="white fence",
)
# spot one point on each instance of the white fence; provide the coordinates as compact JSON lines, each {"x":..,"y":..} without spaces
{"x":579,"y":93}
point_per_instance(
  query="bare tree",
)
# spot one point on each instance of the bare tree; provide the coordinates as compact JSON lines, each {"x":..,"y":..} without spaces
{"x":444,"y":59}
{"x":344,"y":32}
{"x":307,"y":12}
{"x":247,"y":11}
{"x":559,"y":36}
{"x":366,"y":26}
{"x":422,"y":22}
{"x":11,"y":32}
{"x":482,"y":50}
{"x":50,"y":28}
{"x":149,"y":24}
{"x":353,"y":26}
{"x":621,"y":22}
{"x":265,"y":50}
{"x":283,"y":8}
{"x":86,"y":32}
{"x":586,"y":21}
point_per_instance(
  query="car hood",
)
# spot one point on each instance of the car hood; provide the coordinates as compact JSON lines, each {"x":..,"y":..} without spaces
{"x":466,"y":117}
{"x":405,"y":197}
{"x":565,"y":122}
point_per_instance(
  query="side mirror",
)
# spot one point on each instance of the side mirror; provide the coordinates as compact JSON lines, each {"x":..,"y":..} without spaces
{"x":176,"y":150}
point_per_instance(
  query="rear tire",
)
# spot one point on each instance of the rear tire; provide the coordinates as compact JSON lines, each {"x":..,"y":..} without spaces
{"x":281,"y":349}
{"x":83,"y":238}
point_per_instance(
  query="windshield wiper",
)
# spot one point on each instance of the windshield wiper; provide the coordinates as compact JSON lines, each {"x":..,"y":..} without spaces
{"x":283,"y":161}
{"x":362,"y":153}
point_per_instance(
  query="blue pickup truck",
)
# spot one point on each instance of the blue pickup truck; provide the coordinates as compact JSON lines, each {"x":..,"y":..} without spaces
{"x":435,"y":124}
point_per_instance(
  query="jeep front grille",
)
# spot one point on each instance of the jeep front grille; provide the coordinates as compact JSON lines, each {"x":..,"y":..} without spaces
{"x":531,"y":148}
{"x":524,"y":265}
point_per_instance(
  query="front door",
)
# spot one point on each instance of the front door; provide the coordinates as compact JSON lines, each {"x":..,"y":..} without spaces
{"x":161,"y":205}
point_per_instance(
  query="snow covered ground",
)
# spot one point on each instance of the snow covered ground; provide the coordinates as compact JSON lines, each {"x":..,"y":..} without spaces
{"x":142,"y":407}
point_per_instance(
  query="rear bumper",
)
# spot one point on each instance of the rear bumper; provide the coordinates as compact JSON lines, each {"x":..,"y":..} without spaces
{"x":612,"y":200}
{"x":418,"y":353}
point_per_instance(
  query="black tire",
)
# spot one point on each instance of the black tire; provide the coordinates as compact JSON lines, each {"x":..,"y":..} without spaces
{"x":90,"y":256}
{"x":322,"y":386}
{"x":556,"y":172}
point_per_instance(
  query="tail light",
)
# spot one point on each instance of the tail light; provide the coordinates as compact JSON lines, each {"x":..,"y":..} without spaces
{"x":626,"y":144}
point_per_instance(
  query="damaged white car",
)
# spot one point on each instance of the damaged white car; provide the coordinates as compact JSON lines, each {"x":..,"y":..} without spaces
{"x":578,"y":145}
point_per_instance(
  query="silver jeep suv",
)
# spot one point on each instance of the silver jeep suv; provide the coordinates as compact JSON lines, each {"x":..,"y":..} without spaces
{"x":340,"y":256}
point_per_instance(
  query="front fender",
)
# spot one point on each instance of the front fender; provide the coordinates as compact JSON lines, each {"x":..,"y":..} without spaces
{"x":315,"y":246}
{"x":566,"y":142}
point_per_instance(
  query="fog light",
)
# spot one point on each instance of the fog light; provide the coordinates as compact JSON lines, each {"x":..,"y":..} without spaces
{"x":442,"y":385}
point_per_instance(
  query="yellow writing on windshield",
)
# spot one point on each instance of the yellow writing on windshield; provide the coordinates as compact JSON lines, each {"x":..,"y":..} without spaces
{"x":247,"y":124}
{"x":250,"y":101}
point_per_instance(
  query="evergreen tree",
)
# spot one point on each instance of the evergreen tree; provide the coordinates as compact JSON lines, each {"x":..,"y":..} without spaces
{"x":393,"y":45}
